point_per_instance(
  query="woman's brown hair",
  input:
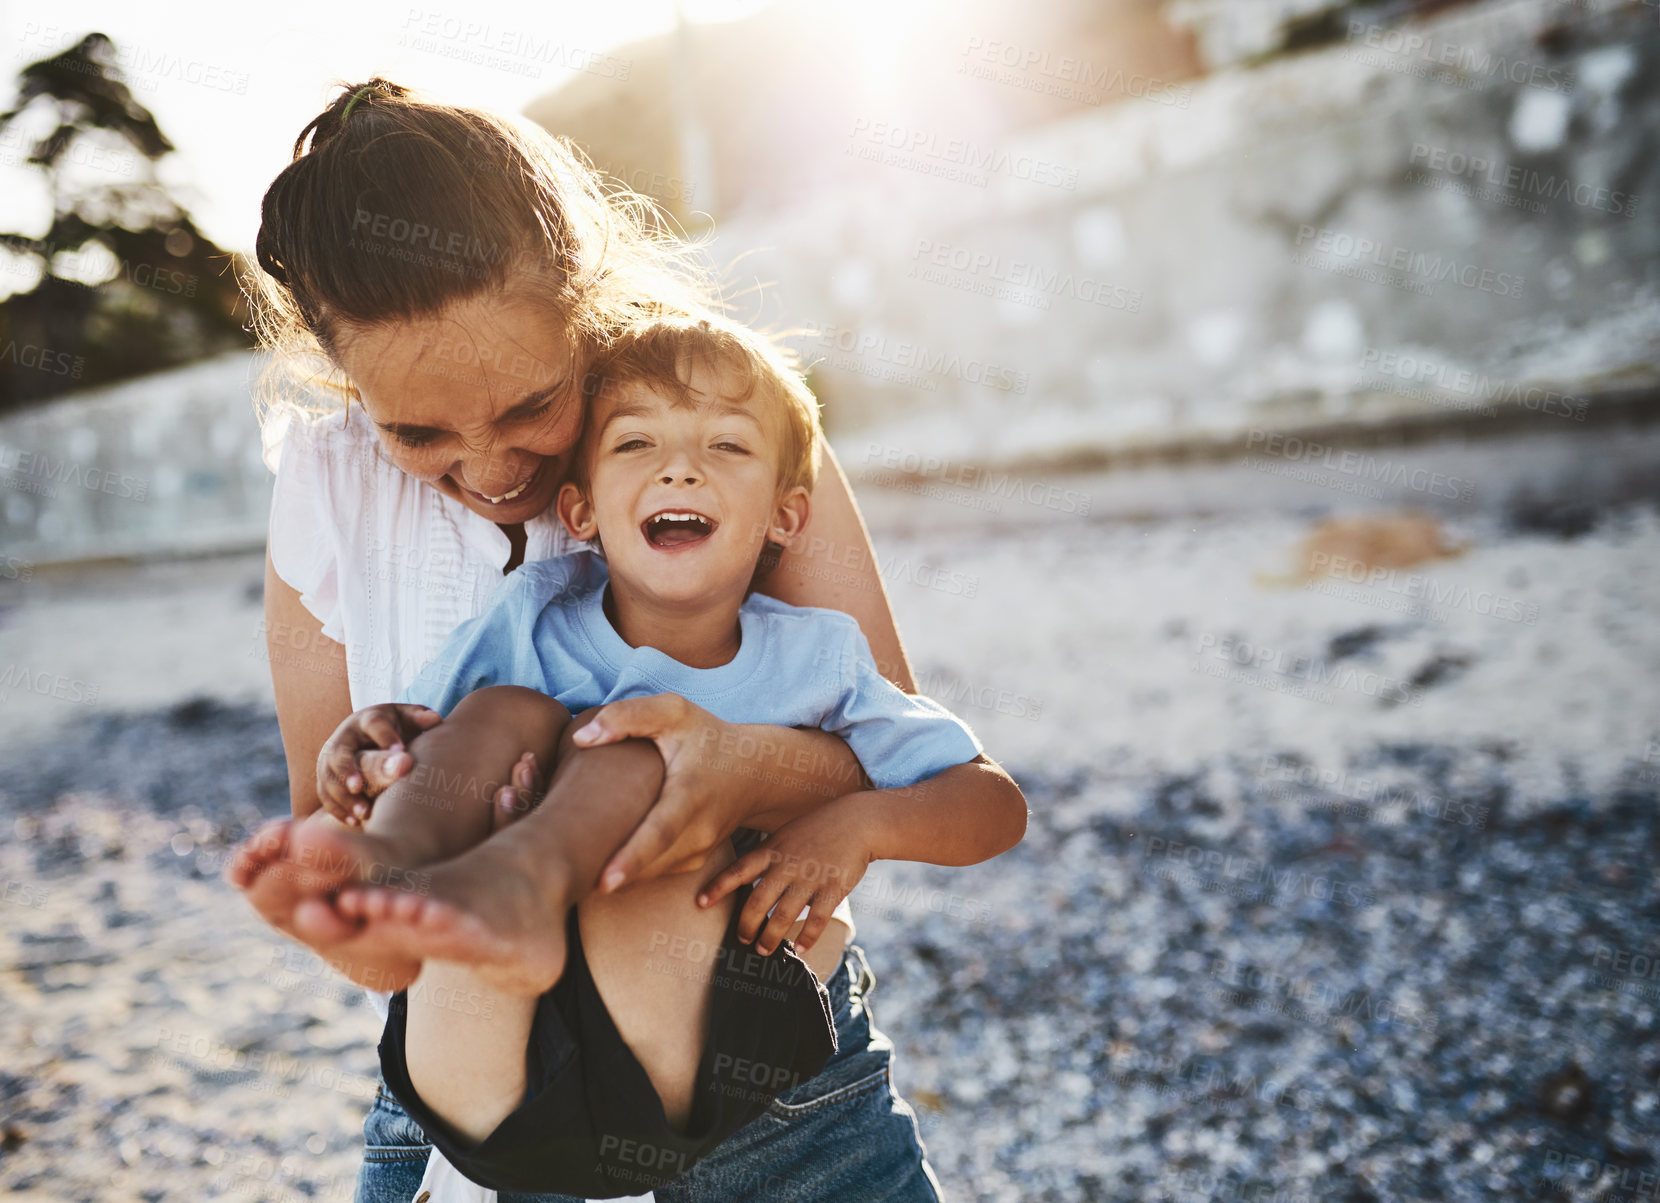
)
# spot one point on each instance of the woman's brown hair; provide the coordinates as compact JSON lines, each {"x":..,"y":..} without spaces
{"x":395,"y":207}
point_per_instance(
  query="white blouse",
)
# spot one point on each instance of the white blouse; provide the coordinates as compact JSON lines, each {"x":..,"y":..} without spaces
{"x":389,"y":565}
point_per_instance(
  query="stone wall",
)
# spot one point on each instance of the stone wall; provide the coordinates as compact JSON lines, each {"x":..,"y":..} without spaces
{"x":168,"y":463}
{"x":1454,"y":218}
{"x":1450,"y":216}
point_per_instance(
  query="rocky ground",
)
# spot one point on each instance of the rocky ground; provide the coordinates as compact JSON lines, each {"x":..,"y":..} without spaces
{"x":1325,"y":895}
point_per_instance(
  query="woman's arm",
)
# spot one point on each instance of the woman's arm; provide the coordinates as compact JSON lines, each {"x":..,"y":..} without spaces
{"x":835,"y":567}
{"x":308,"y":675}
{"x":718,"y":776}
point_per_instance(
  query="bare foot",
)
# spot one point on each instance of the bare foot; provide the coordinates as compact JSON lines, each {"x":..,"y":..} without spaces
{"x":287,"y":862}
{"x":288,"y":870}
{"x":481,"y":910}
{"x":351,"y":952}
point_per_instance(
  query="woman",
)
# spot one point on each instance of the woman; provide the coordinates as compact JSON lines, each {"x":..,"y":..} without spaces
{"x":451,"y":274}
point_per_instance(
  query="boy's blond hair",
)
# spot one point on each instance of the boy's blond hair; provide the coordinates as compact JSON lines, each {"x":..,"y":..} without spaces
{"x":661,"y":352}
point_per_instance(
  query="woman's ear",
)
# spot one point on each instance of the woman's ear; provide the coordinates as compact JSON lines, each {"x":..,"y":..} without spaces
{"x":789,"y":517}
{"x":576,"y":512}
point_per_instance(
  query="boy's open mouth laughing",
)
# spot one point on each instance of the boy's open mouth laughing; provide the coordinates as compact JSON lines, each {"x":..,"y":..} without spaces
{"x":670,"y":530}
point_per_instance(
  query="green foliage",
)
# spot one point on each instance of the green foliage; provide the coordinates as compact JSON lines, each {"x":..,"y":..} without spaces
{"x":127,"y":283}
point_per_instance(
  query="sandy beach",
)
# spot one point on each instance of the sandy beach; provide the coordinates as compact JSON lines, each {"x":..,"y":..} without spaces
{"x":1329,"y":893}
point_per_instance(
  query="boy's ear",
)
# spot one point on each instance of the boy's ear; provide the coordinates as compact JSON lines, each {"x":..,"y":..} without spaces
{"x":789,"y":517}
{"x":576,"y":512}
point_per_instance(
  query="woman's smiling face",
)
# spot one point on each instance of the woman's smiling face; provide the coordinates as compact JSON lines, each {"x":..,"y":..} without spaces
{"x":484,"y":402}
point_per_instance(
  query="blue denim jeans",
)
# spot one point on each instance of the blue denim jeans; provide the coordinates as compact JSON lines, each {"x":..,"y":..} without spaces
{"x":843,"y":1135}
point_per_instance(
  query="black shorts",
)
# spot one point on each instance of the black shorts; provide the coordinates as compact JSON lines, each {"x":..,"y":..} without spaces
{"x":591,"y":1123}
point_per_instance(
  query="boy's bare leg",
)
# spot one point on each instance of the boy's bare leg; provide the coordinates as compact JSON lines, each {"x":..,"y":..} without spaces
{"x":441,"y":808}
{"x":652,"y":952}
{"x":650,"y":948}
{"x":466,"y":1033}
{"x":498,"y":906}
{"x":466,"y":1043}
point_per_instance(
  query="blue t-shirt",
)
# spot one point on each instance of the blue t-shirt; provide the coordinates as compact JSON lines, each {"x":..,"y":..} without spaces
{"x":797,"y":666}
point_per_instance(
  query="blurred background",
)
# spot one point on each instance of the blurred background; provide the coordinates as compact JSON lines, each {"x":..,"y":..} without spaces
{"x":1254,"y":406}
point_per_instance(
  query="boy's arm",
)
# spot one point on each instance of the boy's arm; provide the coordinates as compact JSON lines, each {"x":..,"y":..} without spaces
{"x":937,"y":798}
{"x":967,"y":814}
{"x":961,"y":816}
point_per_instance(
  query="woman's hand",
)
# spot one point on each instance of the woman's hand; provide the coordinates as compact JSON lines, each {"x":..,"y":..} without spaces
{"x":703,"y":800}
{"x":366,"y":754}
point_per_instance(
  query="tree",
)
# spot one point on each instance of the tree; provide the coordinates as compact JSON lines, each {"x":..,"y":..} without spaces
{"x":127,"y":283}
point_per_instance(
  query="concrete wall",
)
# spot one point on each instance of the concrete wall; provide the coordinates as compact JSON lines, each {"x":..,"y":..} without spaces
{"x":1444,"y":217}
{"x":165,"y":463}
{"x":1435,"y":220}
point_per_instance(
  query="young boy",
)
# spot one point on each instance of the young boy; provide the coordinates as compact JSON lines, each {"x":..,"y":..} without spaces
{"x":700,"y":450}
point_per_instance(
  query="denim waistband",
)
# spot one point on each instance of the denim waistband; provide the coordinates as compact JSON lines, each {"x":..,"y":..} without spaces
{"x":853,"y":975}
